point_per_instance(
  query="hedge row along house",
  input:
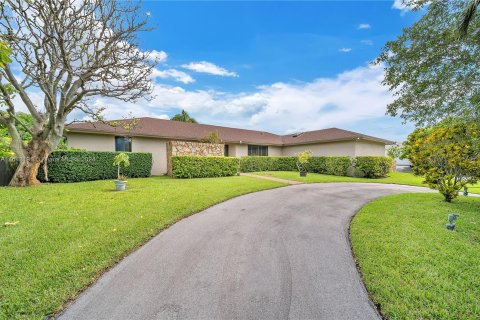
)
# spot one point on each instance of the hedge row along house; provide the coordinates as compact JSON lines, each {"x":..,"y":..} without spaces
{"x":166,"y":138}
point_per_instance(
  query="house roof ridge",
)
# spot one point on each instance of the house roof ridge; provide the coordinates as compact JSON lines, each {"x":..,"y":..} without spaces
{"x":151,"y":126}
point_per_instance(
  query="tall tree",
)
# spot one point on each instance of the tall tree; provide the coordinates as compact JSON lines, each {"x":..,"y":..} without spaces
{"x":67,"y":51}
{"x":183,"y":117}
{"x":433,"y":74}
{"x":447,"y":155}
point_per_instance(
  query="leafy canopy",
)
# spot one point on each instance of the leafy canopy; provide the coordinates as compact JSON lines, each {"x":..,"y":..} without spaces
{"x":183,"y":117}
{"x":431,"y":72}
{"x":447,"y":155}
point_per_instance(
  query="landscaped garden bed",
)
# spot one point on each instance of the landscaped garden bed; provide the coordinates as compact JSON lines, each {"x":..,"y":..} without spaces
{"x":412,"y":266}
{"x":61,"y":237}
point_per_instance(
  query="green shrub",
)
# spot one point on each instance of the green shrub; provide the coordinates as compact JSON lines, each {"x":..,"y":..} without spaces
{"x":337,"y":166}
{"x":372,"y":167}
{"x":204,"y":167}
{"x":76,"y":166}
{"x":254,"y":163}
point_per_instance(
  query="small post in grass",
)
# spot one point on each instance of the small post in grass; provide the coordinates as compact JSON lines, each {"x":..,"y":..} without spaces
{"x":451,"y":219}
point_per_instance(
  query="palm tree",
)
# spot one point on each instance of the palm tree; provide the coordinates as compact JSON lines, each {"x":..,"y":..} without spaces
{"x":183,"y":117}
{"x":468,"y":17}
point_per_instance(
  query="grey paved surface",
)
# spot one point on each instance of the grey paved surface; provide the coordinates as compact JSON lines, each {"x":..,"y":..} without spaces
{"x":271,"y":178}
{"x":276,"y":254}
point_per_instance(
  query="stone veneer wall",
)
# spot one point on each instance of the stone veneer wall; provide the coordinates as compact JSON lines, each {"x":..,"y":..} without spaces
{"x":191,"y":148}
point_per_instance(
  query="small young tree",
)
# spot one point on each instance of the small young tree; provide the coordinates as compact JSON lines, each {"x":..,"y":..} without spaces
{"x":447,"y":155}
{"x":67,"y":52}
{"x":121,"y":159}
{"x":302,"y":160}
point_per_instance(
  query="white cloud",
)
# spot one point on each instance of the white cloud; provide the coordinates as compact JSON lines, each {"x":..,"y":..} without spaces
{"x":364,"y":26}
{"x":210,"y":68}
{"x":158,"y":56}
{"x":174,"y":74}
{"x":351,"y":98}
{"x":367,"y":42}
{"x":345,"y":50}
{"x":400,"y":5}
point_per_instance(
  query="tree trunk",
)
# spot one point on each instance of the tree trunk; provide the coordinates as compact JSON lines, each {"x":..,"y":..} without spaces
{"x":34,"y":154}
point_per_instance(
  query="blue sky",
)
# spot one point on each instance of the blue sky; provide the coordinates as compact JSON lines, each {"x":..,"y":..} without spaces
{"x":276,"y":66}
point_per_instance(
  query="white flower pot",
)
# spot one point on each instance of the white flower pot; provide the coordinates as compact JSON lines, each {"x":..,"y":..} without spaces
{"x":120,"y":185}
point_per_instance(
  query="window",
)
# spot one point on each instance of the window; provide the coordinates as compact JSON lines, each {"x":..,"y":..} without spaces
{"x":257,"y":150}
{"x":225,"y":150}
{"x":123,"y":144}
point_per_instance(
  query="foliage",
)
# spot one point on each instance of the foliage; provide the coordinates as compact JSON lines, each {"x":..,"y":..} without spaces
{"x":128,"y":124}
{"x":432,"y":73}
{"x":372,"y":167}
{"x":338,"y":166}
{"x":413,"y":268}
{"x":183,"y":117}
{"x":5,"y":151}
{"x":302,"y":160}
{"x":204,"y":167}
{"x":68,"y":65}
{"x":396,"y":152}
{"x":69,"y":234}
{"x":212,"y":137}
{"x":23,"y":120}
{"x":5,"y":53}
{"x":447,"y":155}
{"x":76,"y":166}
{"x":258,"y":163}
{"x":121,"y":159}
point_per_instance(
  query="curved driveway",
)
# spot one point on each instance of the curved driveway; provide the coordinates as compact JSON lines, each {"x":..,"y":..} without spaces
{"x":275,"y":254}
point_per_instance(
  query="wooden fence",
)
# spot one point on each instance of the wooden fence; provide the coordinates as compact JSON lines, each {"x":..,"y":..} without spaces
{"x":7,"y":169}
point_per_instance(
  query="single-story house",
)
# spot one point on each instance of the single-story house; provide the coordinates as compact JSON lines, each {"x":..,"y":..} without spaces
{"x":157,"y":136}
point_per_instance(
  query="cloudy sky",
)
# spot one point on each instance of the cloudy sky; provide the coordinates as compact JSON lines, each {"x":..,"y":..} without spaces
{"x":276,"y":66}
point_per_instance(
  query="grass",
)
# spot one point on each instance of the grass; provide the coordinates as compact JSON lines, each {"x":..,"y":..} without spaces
{"x":68,"y":234}
{"x":413,"y":267}
{"x":394,"y":178}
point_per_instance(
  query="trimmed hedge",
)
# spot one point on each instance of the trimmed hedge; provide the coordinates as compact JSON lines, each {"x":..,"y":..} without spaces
{"x":370,"y":167}
{"x":255,"y":163}
{"x":76,"y":166}
{"x":204,"y":167}
{"x":338,"y":166}
{"x":373,"y":167}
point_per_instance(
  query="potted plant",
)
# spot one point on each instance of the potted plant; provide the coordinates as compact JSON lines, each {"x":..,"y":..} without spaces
{"x":302,"y":161}
{"x":121,"y":159}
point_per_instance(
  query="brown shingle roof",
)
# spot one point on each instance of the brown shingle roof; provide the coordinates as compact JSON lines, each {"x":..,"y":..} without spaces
{"x":332,"y":134}
{"x":152,"y":127}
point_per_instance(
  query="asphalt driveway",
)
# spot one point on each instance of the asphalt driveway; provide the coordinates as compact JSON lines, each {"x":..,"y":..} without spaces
{"x":275,"y":254}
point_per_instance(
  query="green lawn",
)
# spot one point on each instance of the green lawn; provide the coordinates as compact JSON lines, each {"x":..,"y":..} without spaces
{"x":394,"y":177}
{"x":413,"y":267}
{"x":68,"y":234}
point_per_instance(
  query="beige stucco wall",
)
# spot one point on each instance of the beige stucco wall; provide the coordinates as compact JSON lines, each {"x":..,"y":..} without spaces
{"x":275,"y":151}
{"x":158,"y":149}
{"x":341,"y":148}
{"x":91,"y":142}
{"x":101,"y":142}
{"x":237,"y":150}
{"x":369,"y":148}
